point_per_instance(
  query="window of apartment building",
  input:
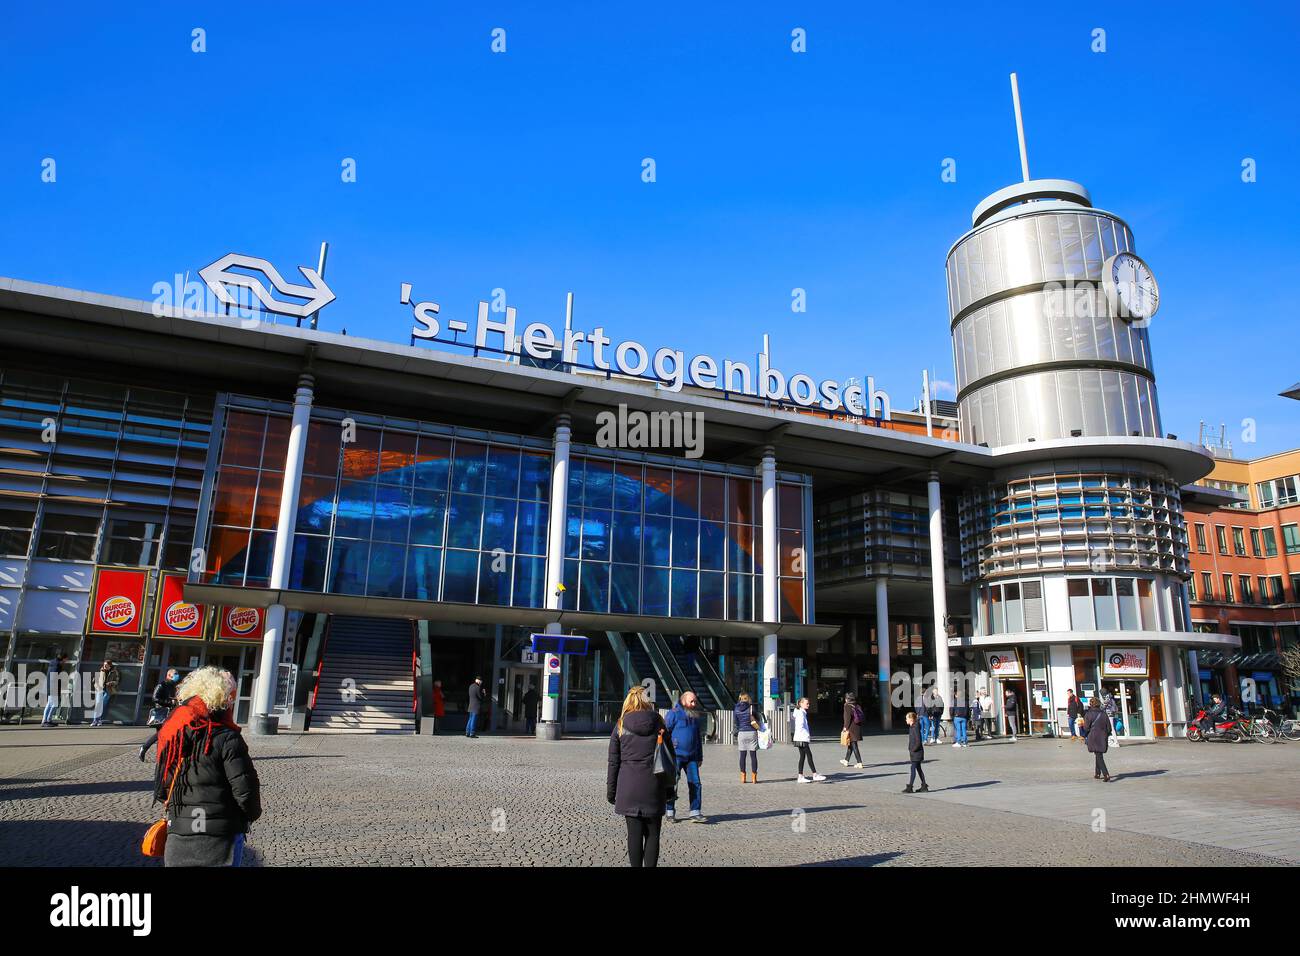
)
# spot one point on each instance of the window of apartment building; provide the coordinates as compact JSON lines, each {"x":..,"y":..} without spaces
{"x":1295,"y":587}
{"x":1270,"y":543}
{"x":1254,"y":543}
{"x":67,"y":537}
{"x":1270,"y":589}
{"x":1221,"y":534}
{"x":1291,"y":538}
{"x":1280,"y":491}
{"x":15,"y":531}
{"x":1108,"y":604}
{"x":1239,"y":542}
{"x":1191,"y":588}
{"x":1227,"y":588}
{"x":1207,"y":586}
{"x":1200,"y":538}
{"x":1247,"y":595}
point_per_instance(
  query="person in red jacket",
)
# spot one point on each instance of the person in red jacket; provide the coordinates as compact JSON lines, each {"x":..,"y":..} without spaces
{"x":439,"y":705}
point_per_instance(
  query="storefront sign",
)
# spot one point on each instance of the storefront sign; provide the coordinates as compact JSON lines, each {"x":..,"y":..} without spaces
{"x":1123,"y":662}
{"x":174,"y":616}
{"x":241,"y":624}
{"x":835,"y":673}
{"x":669,"y":367}
{"x":1003,"y":664}
{"x":117,"y":602}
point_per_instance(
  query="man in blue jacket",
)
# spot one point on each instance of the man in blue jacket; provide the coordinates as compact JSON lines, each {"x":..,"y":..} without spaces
{"x":685,"y":724}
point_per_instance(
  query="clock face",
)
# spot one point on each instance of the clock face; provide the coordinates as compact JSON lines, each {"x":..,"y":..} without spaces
{"x":1130,"y":287}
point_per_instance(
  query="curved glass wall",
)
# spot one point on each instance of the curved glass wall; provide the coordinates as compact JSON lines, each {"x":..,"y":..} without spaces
{"x":1073,"y":521}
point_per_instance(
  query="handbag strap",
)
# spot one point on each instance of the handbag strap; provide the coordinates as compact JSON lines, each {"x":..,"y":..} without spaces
{"x":176,"y":773}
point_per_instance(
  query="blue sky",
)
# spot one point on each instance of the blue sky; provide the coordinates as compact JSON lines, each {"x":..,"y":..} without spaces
{"x":775,"y":170}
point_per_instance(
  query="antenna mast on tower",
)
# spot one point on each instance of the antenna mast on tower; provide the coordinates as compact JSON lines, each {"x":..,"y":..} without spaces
{"x":1020,"y":128}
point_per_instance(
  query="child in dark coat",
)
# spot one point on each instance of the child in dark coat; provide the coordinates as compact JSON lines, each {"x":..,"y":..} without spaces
{"x":915,"y":754}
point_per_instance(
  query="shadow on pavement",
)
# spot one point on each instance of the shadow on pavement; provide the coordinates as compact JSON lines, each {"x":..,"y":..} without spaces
{"x":768,"y":814}
{"x":77,"y":788}
{"x":1136,"y":773}
{"x":968,"y":786}
{"x":73,"y":843}
{"x":874,"y":859}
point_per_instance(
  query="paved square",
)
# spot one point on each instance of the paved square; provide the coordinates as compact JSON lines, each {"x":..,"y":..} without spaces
{"x":73,"y":796}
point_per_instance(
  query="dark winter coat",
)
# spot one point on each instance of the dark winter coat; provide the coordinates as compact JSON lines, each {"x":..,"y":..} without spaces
{"x":219,"y":786}
{"x":745,"y":715}
{"x":475,"y":698}
{"x":960,"y":709}
{"x":915,"y":746}
{"x":687,"y":732}
{"x":164,"y":695}
{"x":1009,"y":703}
{"x":854,"y":727}
{"x":1096,"y":727}
{"x":1074,"y":707}
{"x":630,"y":781}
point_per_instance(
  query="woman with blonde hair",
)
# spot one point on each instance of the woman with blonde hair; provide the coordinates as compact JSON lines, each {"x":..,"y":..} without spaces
{"x":639,"y":794}
{"x":205,"y":778}
{"x":748,"y":722}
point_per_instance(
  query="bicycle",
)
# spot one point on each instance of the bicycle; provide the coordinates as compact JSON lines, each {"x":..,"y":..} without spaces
{"x":1259,"y":728}
{"x":1290,"y":729}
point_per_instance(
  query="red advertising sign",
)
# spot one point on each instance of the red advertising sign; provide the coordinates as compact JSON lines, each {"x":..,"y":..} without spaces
{"x":241,"y":624}
{"x":174,"y":616}
{"x":117,"y":602}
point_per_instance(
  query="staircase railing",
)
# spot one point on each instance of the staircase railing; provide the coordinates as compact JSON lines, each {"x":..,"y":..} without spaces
{"x":707,"y":675}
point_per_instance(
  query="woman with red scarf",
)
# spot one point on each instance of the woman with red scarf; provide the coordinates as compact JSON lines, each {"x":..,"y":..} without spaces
{"x":205,"y":777}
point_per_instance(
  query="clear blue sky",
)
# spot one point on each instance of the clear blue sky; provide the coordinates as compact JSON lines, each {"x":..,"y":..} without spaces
{"x":775,"y":170}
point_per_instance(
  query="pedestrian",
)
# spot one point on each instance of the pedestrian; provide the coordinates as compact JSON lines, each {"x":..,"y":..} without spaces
{"x":638,"y":794}
{"x":686,"y":723}
{"x":106,"y":681}
{"x":922,"y":705}
{"x":852,"y":733}
{"x":748,"y":721}
{"x":531,"y":700}
{"x":1009,"y":707}
{"x":915,"y":754}
{"x":937,"y":705}
{"x":1096,"y":724}
{"x":802,"y":738}
{"x":53,"y":687}
{"x":1111,"y":707}
{"x":960,"y":715}
{"x":439,"y":706}
{"x":976,"y":716}
{"x":205,"y":777}
{"x":164,"y":702}
{"x":1073,"y":711}
{"x":986,"y":711}
{"x":473,"y":707}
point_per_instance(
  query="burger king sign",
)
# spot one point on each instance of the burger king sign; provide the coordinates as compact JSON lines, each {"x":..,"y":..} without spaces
{"x":177,"y":617}
{"x":117,"y":601}
{"x":241,"y":624}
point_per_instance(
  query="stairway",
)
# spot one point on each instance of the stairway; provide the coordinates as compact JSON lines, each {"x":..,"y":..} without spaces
{"x":369,"y":660}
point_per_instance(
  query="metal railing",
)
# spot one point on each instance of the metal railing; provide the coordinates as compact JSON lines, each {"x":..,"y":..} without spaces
{"x":778,"y":724}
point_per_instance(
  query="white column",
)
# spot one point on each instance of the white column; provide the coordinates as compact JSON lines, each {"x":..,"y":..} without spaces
{"x":939,"y":589}
{"x":883,"y":639}
{"x":771,"y":574}
{"x":1194,"y":675}
{"x":263,"y":721}
{"x":555,"y":564}
{"x":1173,"y":691}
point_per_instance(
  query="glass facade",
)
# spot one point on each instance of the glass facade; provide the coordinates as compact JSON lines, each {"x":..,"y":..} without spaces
{"x":406,"y":509}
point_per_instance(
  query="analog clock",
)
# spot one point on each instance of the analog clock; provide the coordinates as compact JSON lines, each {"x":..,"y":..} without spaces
{"x":1130,"y":287}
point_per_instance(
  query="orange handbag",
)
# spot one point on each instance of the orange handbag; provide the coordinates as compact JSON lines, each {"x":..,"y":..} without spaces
{"x":155,"y":838}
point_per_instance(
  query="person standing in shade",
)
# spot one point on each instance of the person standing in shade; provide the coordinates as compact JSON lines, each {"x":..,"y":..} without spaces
{"x":986,"y":711}
{"x":915,"y":754}
{"x":1111,"y":707}
{"x":686,"y":723}
{"x":1097,"y":731}
{"x":53,"y":687}
{"x":106,"y":681}
{"x":853,"y":728}
{"x":802,"y":738}
{"x":976,"y":716}
{"x":164,"y":701}
{"x":748,"y":721}
{"x":439,"y":706}
{"x":531,"y":699}
{"x":474,"y":706}
{"x":1073,"y":711}
{"x":936,"y":714}
{"x":638,"y":794}
{"x":205,"y":778}
{"x":1009,"y":707}
{"x":960,"y":714}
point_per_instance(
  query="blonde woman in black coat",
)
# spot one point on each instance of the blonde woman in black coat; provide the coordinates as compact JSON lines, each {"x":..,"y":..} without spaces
{"x":639,"y":794}
{"x":1097,"y":731}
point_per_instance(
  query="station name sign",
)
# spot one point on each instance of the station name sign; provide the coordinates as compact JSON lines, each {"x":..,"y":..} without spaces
{"x":670,"y":368}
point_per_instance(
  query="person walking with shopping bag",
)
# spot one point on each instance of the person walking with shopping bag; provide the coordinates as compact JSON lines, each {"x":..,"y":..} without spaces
{"x":749,"y":721}
{"x":1096,"y":732}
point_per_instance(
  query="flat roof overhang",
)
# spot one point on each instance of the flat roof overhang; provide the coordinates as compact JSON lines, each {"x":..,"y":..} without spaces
{"x":450,"y":612}
{"x":1189,"y":639}
{"x":406,"y":380}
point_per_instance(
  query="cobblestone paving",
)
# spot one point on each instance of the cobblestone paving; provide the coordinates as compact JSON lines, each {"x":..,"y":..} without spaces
{"x":72,"y":796}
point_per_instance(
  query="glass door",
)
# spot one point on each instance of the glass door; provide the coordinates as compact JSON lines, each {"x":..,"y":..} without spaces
{"x":1132,"y":709}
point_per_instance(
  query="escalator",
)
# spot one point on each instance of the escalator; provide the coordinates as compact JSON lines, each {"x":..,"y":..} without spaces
{"x":675,"y":664}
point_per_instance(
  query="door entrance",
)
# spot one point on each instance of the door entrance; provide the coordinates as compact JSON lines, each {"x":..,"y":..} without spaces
{"x":519,"y":680}
{"x":1130,"y":696}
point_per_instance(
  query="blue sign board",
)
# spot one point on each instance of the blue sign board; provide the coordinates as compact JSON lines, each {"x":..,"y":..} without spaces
{"x":559,"y":644}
